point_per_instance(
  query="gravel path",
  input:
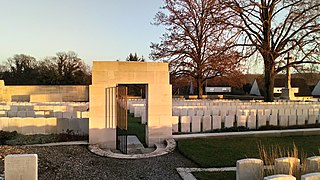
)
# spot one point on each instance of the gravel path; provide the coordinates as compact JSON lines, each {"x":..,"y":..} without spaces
{"x":77,"y":162}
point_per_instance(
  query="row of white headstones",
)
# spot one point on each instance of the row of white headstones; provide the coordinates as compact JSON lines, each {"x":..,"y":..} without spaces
{"x":205,"y":115}
{"x":283,"y":168}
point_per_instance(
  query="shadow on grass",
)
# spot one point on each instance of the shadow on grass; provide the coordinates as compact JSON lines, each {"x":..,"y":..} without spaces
{"x":14,"y":138}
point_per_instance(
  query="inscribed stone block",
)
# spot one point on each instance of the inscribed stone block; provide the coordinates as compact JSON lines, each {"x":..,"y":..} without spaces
{"x":191,"y":112}
{"x":262,"y":120}
{"x":175,"y":112}
{"x":30,"y":114}
{"x":206,"y":123}
{"x":301,"y":119}
{"x":280,"y":177}
{"x":228,"y":122}
{"x":3,"y":113}
{"x":313,"y":164}
{"x":216,"y":122}
{"x":12,"y":113}
{"x":199,"y":113}
{"x":267,"y":112}
{"x":292,"y":120}
{"x":196,"y":123}
{"x":283,"y":120}
{"x":273,"y":120}
{"x":21,"y":114}
{"x":215,"y":112}
{"x":39,"y":113}
{"x":249,"y":169}
{"x":312,"y":119}
{"x":57,"y":114}
{"x":175,"y":123}
{"x":66,"y":115}
{"x":184,"y":112}
{"x":311,"y":176}
{"x":242,"y":120}
{"x":185,"y":123}
{"x":286,"y":165}
{"x":252,"y":122}
{"x":21,"y":166}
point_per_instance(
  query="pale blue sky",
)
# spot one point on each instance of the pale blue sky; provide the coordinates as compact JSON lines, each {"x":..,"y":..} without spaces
{"x":94,"y":29}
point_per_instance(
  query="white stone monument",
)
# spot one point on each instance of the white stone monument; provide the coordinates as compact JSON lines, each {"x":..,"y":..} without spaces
{"x":287,"y":92}
{"x":255,"y":89}
{"x":316,"y":90}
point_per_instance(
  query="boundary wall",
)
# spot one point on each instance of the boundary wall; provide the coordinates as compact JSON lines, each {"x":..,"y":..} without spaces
{"x":44,"y":93}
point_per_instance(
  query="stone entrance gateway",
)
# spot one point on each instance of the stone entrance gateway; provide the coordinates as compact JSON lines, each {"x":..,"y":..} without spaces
{"x":105,"y":74}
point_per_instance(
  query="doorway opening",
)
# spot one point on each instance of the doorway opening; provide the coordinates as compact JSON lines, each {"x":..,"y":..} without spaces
{"x":132,"y":116}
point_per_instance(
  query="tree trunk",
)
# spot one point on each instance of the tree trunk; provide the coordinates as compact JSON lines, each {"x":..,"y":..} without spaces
{"x":269,"y":73}
{"x":200,"y":89}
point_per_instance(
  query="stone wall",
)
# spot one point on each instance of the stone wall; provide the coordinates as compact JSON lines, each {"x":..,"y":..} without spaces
{"x":65,"y":93}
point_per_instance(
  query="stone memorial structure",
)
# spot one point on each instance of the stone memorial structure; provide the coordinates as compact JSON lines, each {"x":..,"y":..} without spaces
{"x":316,"y":90}
{"x":287,"y":92}
{"x":105,"y":75}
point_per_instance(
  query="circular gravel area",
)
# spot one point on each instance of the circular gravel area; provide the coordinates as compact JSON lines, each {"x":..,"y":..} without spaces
{"x":77,"y":162}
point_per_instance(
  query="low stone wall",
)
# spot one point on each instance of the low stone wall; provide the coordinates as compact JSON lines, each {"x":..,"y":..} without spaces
{"x":44,"y":93}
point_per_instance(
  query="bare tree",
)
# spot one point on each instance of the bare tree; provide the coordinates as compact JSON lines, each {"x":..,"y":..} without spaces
{"x":68,"y":65}
{"x":194,"y":42}
{"x":274,"y":28}
{"x":20,"y":68}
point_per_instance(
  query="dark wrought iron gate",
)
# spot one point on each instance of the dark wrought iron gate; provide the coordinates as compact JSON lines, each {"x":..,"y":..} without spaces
{"x":122,"y":118}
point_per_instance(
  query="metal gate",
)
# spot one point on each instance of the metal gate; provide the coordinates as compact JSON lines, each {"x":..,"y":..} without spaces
{"x":122,"y":118}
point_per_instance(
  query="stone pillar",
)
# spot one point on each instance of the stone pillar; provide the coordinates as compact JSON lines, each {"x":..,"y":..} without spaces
{"x":287,"y":92}
{"x":21,"y":166}
{"x":249,"y":169}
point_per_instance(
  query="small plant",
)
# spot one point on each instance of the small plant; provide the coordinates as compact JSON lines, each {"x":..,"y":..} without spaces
{"x":5,"y":136}
{"x":268,"y":155}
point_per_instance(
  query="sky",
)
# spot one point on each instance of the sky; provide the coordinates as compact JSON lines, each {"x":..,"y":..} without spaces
{"x":94,"y":29}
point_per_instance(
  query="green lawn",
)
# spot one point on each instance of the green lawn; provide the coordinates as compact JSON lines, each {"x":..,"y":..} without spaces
{"x":136,"y":128}
{"x":224,"y":152}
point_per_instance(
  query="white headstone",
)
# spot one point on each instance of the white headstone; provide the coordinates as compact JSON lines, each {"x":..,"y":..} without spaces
{"x":313,"y":164}
{"x":286,"y":165}
{"x":249,"y":169}
{"x":311,"y":176}
{"x":255,"y":89}
{"x":279,"y":177}
{"x":21,"y":166}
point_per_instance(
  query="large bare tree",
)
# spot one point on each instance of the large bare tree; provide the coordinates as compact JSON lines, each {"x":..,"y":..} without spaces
{"x":194,"y":41}
{"x":274,"y":28}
